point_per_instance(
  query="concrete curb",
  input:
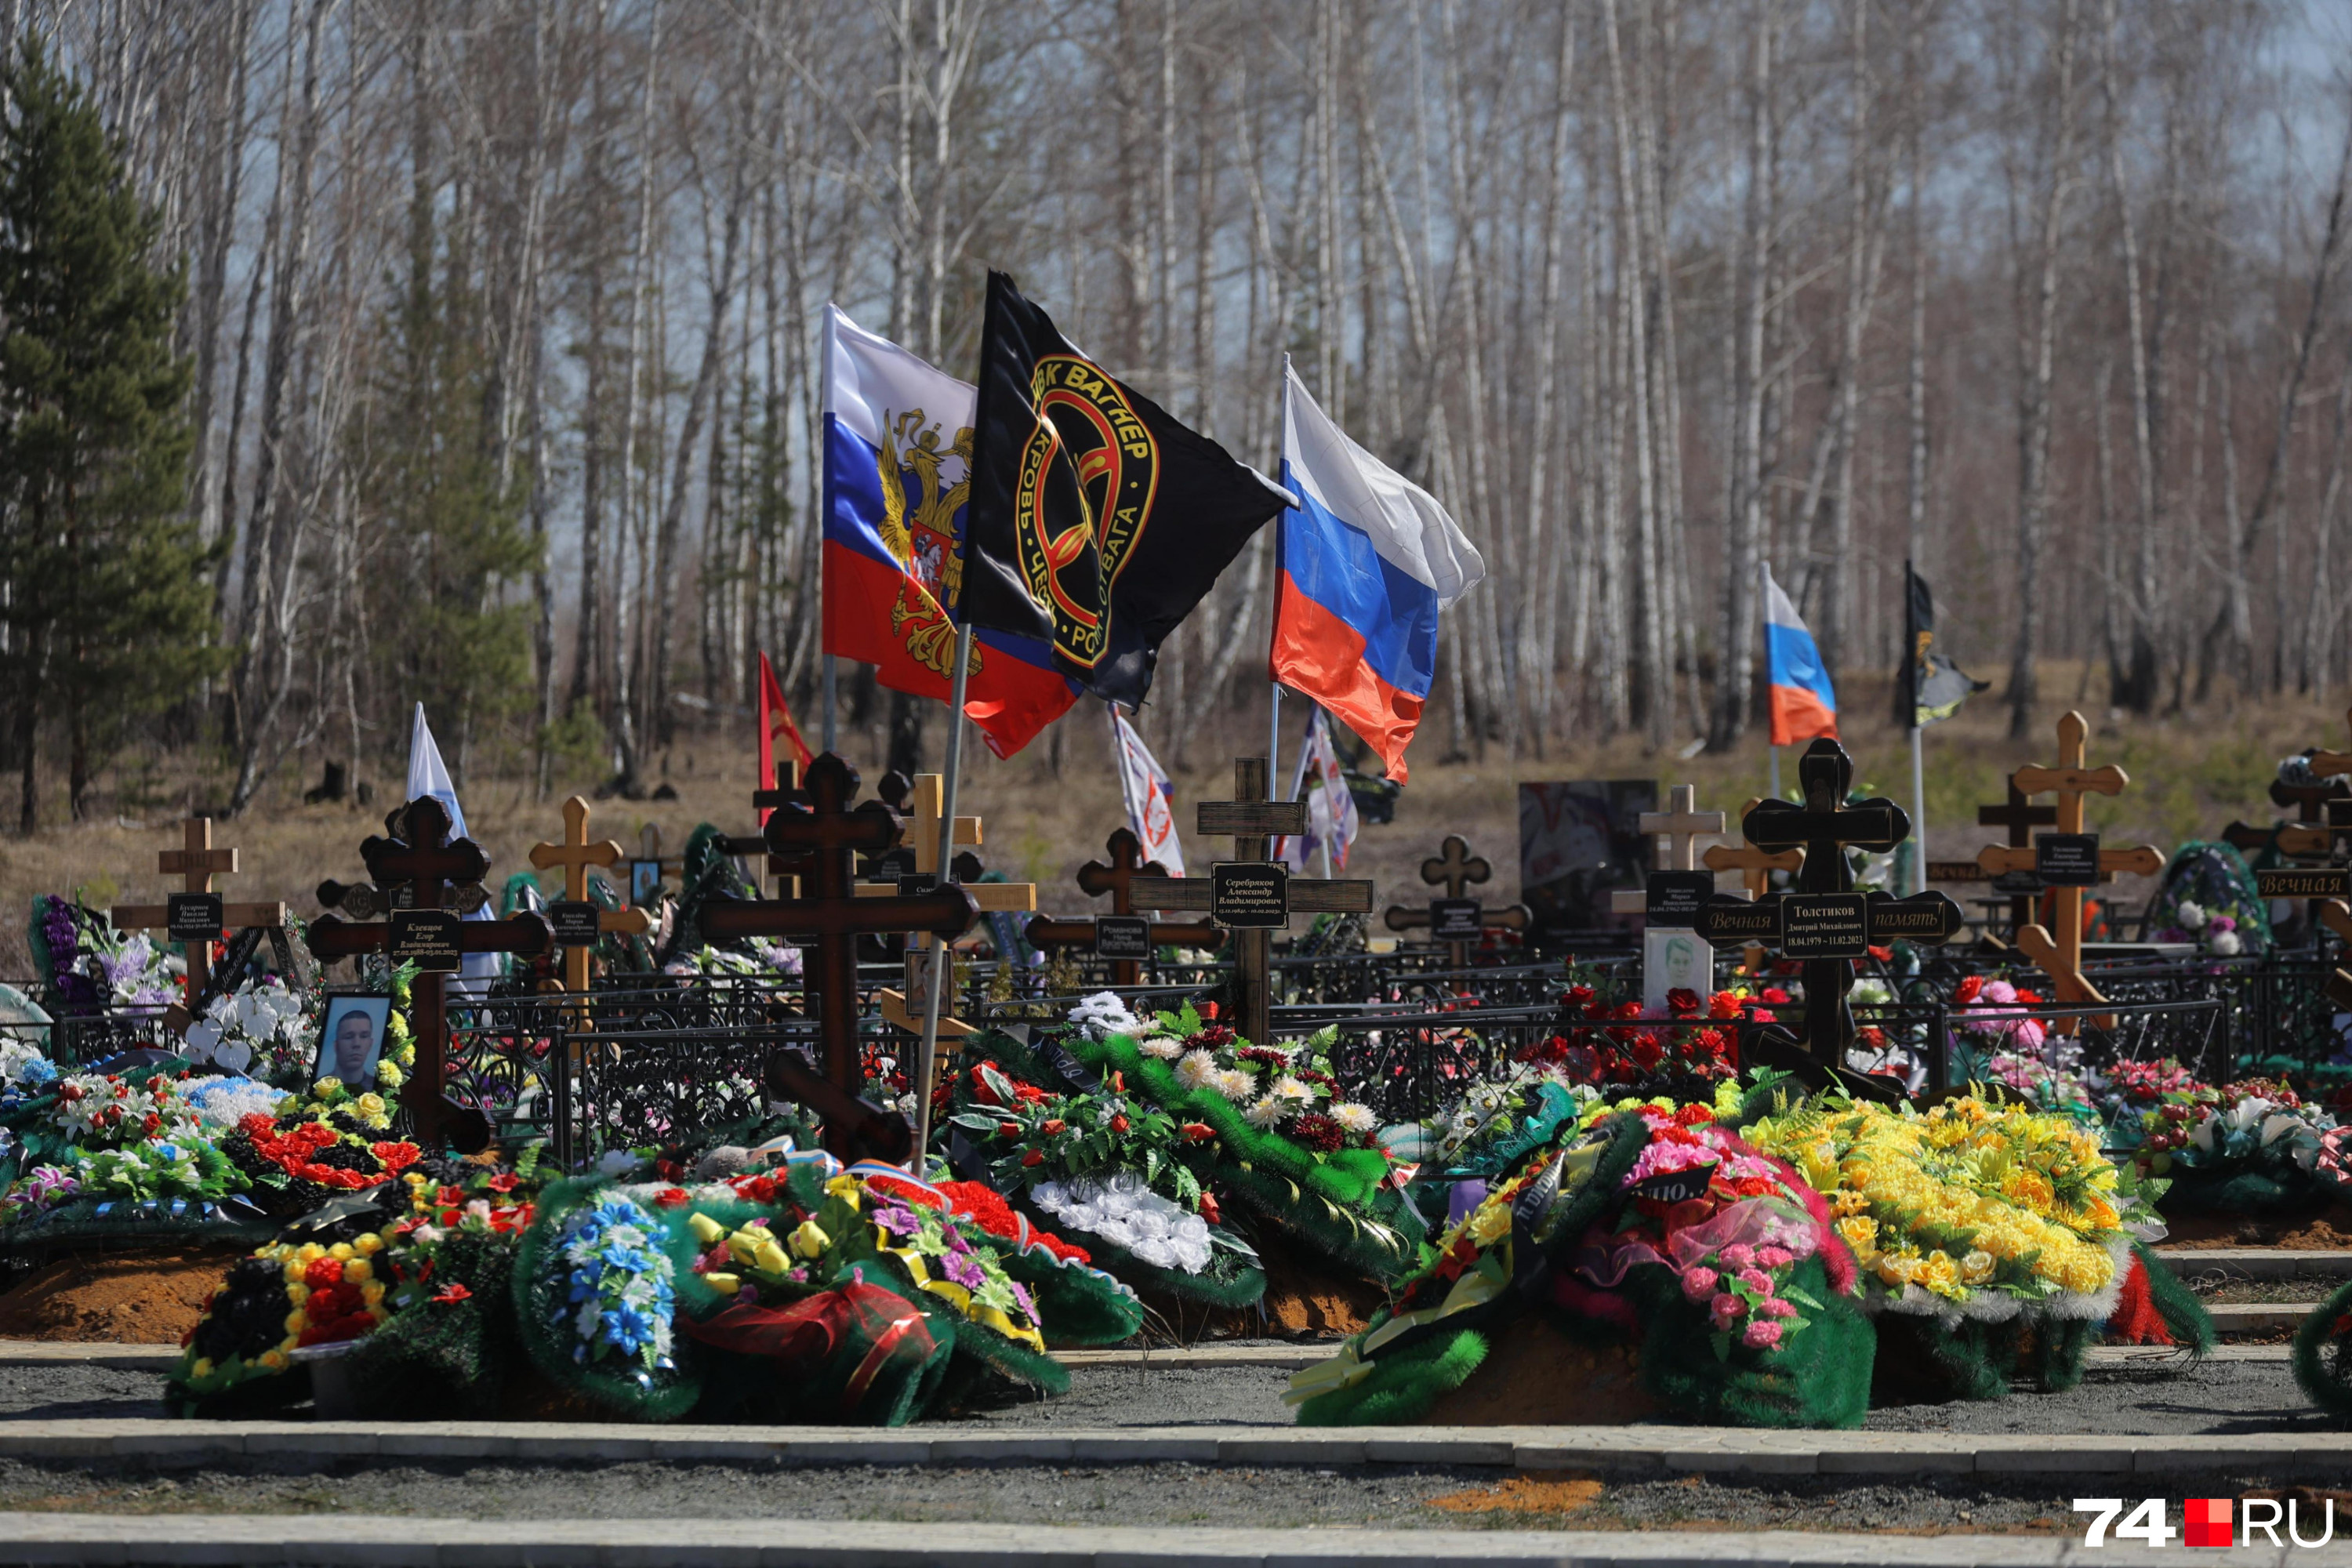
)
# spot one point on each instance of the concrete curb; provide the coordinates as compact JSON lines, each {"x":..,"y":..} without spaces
{"x":2254,"y":1262}
{"x":1672,"y":1449}
{"x":2258,"y":1317}
{"x":55,"y":1538}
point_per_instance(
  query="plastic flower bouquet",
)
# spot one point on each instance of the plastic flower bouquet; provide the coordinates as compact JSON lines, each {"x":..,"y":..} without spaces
{"x":261,"y":1028}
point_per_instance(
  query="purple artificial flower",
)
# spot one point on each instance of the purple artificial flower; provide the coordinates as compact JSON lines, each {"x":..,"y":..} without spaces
{"x":962,"y":1269}
{"x":897,"y":1221}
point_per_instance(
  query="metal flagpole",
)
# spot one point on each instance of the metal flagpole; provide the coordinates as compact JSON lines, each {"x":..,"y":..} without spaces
{"x":1918,"y":815}
{"x":1775,"y":752}
{"x":829,"y":702}
{"x":942,"y":951}
{"x":1274,"y":738}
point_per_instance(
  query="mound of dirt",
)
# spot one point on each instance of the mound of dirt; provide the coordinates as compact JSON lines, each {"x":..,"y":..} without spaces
{"x":150,"y":1295}
{"x":1302,"y":1301}
{"x":1536,"y":1376}
{"x":2324,"y":1230}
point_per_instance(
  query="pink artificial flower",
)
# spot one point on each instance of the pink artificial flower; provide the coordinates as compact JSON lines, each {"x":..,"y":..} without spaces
{"x":1738,"y":1255}
{"x":1756,"y":1280}
{"x":1698,"y":1283}
{"x":2000,"y":992}
{"x":1723,"y":1309}
{"x":1777,"y":1307}
{"x":1774,"y":1257}
{"x":1760,"y":1335}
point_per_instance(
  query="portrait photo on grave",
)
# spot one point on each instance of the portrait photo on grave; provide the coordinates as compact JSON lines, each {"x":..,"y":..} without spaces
{"x":350,"y":1036}
{"x":1579,"y":841}
{"x":644,"y":883}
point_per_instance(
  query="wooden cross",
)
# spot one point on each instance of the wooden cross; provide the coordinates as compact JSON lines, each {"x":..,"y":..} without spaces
{"x":197,"y":862}
{"x":1118,"y":879}
{"x":1455,"y":868}
{"x":2309,"y":801}
{"x":576,"y":855}
{"x":430,"y":861}
{"x":2061,"y":957}
{"x":920,"y":834}
{"x":1252,"y":820}
{"x":820,"y":835}
{"x":2020,"y":816}
{"x":1676,"y":832}
{"x":1755,"y":867}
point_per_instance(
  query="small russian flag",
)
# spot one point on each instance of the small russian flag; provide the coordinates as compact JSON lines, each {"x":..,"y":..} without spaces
{"x":1804,"y":703}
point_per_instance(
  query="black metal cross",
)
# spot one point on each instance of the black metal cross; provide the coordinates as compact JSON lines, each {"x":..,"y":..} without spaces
{"x":2020,"y":816}
{"x":1455,"y":868}
{"x":426,"y":858}
{"x":1118,"y":879}
{"x":816,"y":836}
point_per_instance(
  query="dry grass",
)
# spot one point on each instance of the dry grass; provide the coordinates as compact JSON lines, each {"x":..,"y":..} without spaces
{"x":2190,"y":776}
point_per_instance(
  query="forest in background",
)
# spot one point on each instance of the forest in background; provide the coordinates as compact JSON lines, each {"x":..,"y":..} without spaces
{"x":501,"y":319}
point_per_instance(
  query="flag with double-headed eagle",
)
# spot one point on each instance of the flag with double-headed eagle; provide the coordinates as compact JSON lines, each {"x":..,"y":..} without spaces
{"x":897,"y":468}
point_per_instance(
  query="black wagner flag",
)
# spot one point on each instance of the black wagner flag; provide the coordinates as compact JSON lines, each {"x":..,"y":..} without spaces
{"x":1928,"y":688}
{"x":1096,"y":522}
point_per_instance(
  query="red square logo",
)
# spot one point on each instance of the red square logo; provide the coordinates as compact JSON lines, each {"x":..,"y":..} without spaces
{"x":2207,"y":1519}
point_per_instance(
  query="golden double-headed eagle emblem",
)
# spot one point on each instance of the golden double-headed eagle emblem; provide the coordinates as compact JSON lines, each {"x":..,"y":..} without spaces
{"x":918,"y":512}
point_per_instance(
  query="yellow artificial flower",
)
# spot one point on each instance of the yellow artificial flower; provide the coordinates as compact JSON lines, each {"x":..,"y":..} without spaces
{"x":706,"y":1230}
{"x":368,"y":1243}
{"x":340,"y":1251}
{"x":372,"y":1293}
{"x":276,"y":1360}
{"x":297,"y":1320}
{"x":725,"y":1284}
{"x":810,"y":1240}
{"x":357,"y":1270}
{"x":203,"y":1368}
{"x":844,"y":1187}
{"x":296,"y":1292}
{"x":1491,"y":1223}
{"x":310,"y":1252}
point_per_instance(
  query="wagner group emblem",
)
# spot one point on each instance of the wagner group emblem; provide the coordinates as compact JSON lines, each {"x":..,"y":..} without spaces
{"x":1091,"y":446}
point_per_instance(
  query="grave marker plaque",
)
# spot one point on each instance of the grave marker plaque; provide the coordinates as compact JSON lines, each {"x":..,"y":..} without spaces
{"x":1824,"y":925}
{"x":1456,"y":920}
{"x":2304,"y":882}
{"x":1249,"y":895}
{"x":1123,"y":937}
{"x":575,"y":924}
{"x":193,"y":917}
{"x":1673,"y":897}
{"x":1118,"y":879}
{"x":2066,"y":859}
{"x":429,"y":939}
{"x":1741,"y":923}
{"x":1457,"y":870}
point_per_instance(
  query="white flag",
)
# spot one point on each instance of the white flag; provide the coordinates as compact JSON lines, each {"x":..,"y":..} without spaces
{"x":1331,"y":819}
{"x":428,"y":774}
{"x":1150,"y":798}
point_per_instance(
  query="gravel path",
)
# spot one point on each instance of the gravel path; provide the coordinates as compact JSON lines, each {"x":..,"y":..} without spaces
{"x":2219,"y":1397}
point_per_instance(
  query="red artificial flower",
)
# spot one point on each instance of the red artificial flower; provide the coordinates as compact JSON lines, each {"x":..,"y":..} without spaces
{"x":1199,"y":1131}
{"x":504,"y":1182}
{"x":1969,"y":990}
{"x":1682,"y":1000}
{"x":2028,"y":998}
{"x":1207,"y":1010}
{"x":759,"y":1189}
{"x":667,"y":1170}
{"x":1008,"y":1130}
{"x":1646,"y":1050}
{"x":1773,"y":995}
{"x":1118,"y":1083}
{"x":672,"y":1198}
{"x":1033,"y":1157}
{"x":1577,"y":997}
{"x":322,"y":1272}
{"x":1722,"y":1004}
{"x":1119,"y":1123}
{"x":398,"y":1157}
{"x":1052,"y":1125}
{"x":1884,"y":955}
{"x":449,"y":1198}
{"x":451,"y":1294}
{"x":1209,"y":1210}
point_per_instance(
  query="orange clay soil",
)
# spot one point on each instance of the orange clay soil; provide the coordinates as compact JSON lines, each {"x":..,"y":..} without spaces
{"x":1536,"y":1376}
{"x":151,"y":1296}
{"x":2325,"y":1230}
{"x":1301,"y":1302}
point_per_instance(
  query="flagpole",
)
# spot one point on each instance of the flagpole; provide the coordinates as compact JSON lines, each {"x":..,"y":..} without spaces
{"x":1919,"y":816}
{"x":828,"y":702}
{"x":943,"y":951}
{"x":1274,"y":737}
{"x":1775,"y":752}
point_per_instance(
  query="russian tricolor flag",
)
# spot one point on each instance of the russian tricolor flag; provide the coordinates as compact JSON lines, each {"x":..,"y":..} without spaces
{"x":1804,"y":703}
{"x":1368,"y":560}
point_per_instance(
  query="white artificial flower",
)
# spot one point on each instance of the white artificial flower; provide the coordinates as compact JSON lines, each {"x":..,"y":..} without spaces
{"x":1196,"y":1068}
{"x":1288,"y":1088}
{"x":2225,"y":944}
{"x":617,"y":1162}
{"x":2203,"y":1134}
{"x":1103,"y":1014}
{"x":1233,"y":1083}
{"x":1355,"y":1118}
{"x":2192,"y":916}
{"x":1269,"y":1112}
{"x":1167,"y":1047}
{"x":2278,"y":1126}
{"x":17,"y":1058}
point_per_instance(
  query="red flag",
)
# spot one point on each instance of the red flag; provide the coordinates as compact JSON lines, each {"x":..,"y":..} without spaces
{"x":775,"y":720}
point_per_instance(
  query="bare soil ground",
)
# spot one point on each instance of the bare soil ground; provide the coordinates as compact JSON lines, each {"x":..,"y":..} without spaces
{"x":1048,"y":810}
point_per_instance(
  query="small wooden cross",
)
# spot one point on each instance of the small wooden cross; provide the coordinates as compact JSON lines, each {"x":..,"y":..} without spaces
{"x":2020,"y":816}
{"x":820,"y":835}
{"x":1251,"y":821}
{"x":921,"y":835}
{"x":1455,"y":868}
{"x":1676,"y":832}
{"x":2061,"y":957}
{"x":1755,"y":867}
{"x":1118,"y":879}
{"x":197,"y":862}
{"x":576,"y":855}
{"x":430,"y":861}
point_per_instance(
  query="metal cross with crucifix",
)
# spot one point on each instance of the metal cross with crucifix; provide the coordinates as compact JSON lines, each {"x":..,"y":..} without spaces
{"x":1755,"y":867}
{"x":195,"y":916}
{"x":577,"y":925}
{"x":1252,"y":894}
{"x":1117,"y":878}
{"x":2060,"y":956}
{"x":1824,"y":923}
{"x":434,"y":938}
{"x":819,"y":834}
{"x":1451,"y":918}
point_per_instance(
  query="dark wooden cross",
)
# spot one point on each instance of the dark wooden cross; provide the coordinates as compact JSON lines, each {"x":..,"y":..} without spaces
{"x":1823,"y":921}
{"x":1118,"y":879}
{"x":576,"y":855}
{"x":197,"y":862}
{"x":819,"y":835}
{"x":1455,"y":869}
{"x":426,"y":858}
{"x":2020,"y":816}
{"x":1253,"y":821}
{"x":786,"y":791}
{"x":2060,"y":956}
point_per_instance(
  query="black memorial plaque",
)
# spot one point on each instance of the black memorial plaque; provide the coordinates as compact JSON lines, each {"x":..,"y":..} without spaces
{"x":1456,"y":920}
{"x":2066,"y":859}
{"x":1122,"y":936}
{"x":1725,"y":922}
{"x":2017,"y":885}
{"x":1928,"y":918}
{"x":1249,"y":894}
{"x":1673,"y":898}
{"x":194,"y":917}
{"x":575,"y":924}
{"x":917,"y":884}
{"x":2304,"y":882}
{"x":1824,"y":925}
{"x":426,"y":938}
